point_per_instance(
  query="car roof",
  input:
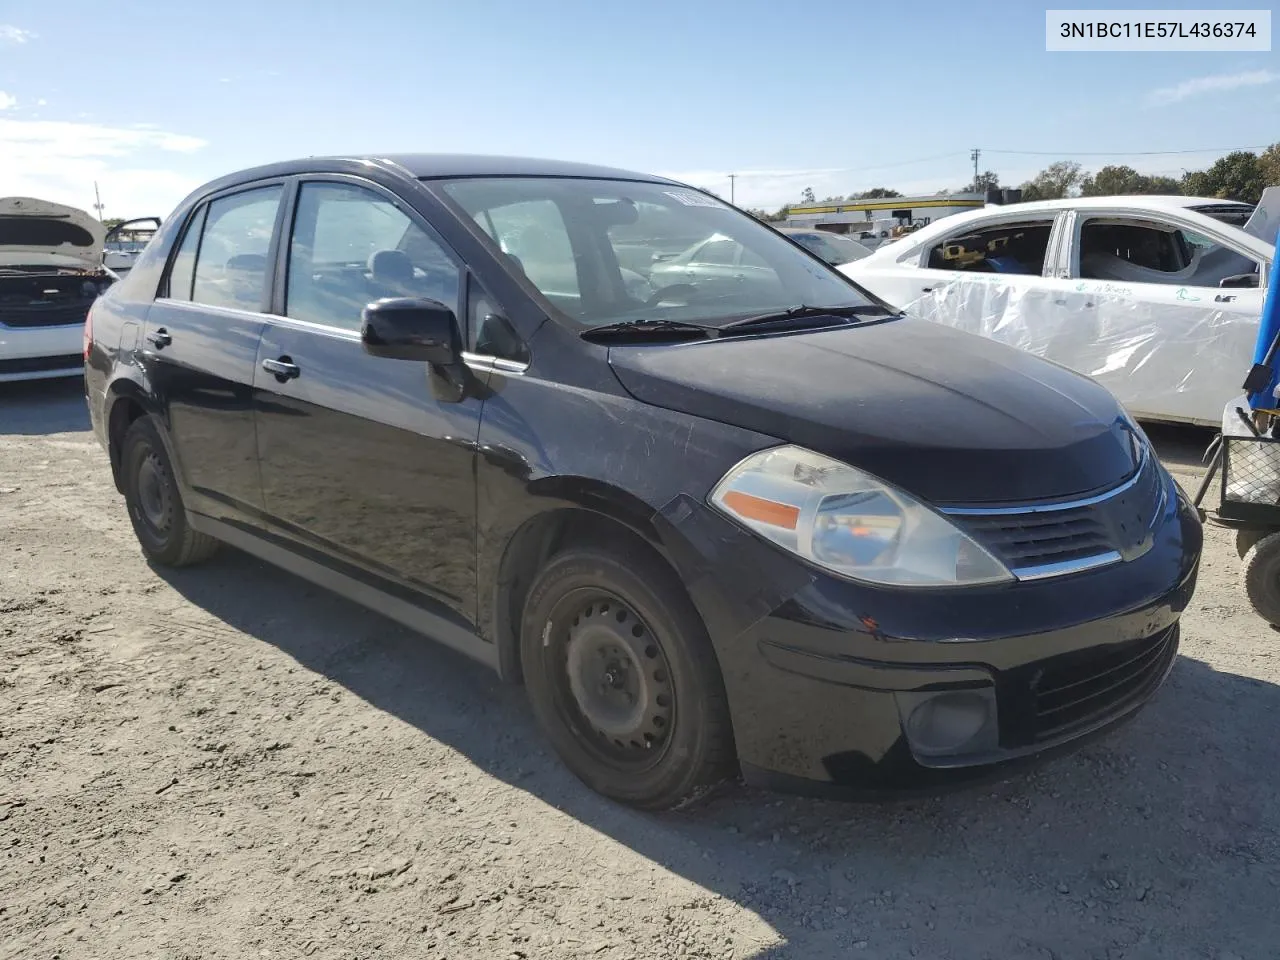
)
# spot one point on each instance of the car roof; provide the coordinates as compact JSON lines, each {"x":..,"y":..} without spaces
{"x":440,"y":166}
{"x":1151,"y":202}
{"x":1154,"y":203}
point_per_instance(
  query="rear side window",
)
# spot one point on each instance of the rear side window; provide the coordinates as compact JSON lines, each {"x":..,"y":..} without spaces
{"x":351,"y":246}
{"x":183,"y":271}
{"x":720,"y":253}
{"x":231,"y":266}
{"x":1017,"y":248}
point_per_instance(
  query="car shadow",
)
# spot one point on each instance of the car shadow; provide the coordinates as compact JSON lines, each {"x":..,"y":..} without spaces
{"x":38,"y":407}
{"x":1172,"y":817}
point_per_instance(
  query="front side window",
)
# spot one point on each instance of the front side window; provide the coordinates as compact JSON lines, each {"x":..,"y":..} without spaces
{"x":1017,"y":248}
{"x":613,"y":250}
{"x":1127,"y":250}
{"x":351,"y":246}
{"x":231,"y":267}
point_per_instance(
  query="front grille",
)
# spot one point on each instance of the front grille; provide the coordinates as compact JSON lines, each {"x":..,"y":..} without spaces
{"x":1026,"y":540}
{"x":1074,"y":689}
{"x":65,"y":361}
{"x":44,"y":314}
{"x":1048,"y":539}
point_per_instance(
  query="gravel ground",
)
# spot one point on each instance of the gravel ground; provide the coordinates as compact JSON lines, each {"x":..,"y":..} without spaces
{"x":227,"y":762}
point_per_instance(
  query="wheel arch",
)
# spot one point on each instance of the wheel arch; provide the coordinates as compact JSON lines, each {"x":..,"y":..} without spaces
{"x":568,"y":510}
{"x":126,"y":401}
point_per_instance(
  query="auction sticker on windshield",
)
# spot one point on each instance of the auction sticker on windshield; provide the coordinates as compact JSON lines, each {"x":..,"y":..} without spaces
{"x":691,"y":199}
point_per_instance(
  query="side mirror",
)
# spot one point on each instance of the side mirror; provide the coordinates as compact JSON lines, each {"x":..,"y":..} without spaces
{"x":1239,"y":280}
{"x":410,"y":328}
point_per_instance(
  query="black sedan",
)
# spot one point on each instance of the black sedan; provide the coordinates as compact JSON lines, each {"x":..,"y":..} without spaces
{"x":714,"y":527}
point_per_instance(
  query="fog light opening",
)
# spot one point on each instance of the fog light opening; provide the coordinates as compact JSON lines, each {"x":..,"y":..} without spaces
{"x":952,"y":722}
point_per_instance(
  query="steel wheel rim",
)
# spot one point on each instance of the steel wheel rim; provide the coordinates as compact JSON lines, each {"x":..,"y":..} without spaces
{"x":155,"y":504}
{"x":615,"y":679}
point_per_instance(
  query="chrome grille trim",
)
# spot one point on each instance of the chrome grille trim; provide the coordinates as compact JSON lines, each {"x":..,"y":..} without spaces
{"x":1088,"y":531}
{"x":1051,"y":507}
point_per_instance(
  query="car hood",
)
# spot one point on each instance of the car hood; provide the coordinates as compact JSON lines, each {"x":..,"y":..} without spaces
{"x":40,"y":233}
{"x":945,"y":415}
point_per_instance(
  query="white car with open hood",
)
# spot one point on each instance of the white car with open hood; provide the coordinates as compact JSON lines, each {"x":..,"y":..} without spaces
{"x":1157,"y":298}
{"x":51,"y":271}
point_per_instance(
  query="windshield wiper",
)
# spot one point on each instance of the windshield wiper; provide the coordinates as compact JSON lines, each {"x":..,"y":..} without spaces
{"x":648,"y":327}
{"x":802,"y":312}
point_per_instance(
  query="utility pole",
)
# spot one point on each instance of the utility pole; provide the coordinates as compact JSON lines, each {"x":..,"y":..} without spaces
{"x":732,"y":185}
{"x":975,"y":153}
{"x":97,"y":200}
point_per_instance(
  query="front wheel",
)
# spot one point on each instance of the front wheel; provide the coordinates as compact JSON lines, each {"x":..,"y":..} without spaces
{"x":154,"y":501}
{"x":1261,"y":577}
{"x":623,"y":680}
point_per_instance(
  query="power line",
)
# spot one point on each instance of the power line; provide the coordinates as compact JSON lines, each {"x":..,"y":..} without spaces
{"x":1124,"y":153}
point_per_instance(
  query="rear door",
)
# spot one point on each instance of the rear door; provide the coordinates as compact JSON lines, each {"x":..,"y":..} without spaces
{"x":200,"y":346}
{"x":359,"y":459}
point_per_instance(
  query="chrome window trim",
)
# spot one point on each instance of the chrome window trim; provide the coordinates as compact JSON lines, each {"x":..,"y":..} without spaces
{"x":485,"y":363}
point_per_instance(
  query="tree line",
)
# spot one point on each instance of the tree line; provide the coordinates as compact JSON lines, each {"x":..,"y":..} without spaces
{"x":1241,"y":175}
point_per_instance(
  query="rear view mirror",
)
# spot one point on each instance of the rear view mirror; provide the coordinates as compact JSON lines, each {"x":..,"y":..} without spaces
{"x":1239,"y":280}
{"x":410,"y":328}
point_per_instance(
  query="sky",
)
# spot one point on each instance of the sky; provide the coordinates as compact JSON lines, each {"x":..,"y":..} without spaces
{"x":151,"y":98}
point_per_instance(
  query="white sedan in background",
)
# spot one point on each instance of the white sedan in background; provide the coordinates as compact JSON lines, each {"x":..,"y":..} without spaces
{"x":51,"y":271}
{"x":1158,"y":298}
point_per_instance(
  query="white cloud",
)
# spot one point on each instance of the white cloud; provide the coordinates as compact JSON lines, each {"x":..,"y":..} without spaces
{"x":7,"y":101}
{"x":1218,"y":83}
{"x":11,"y":34}
{"x":42,"y":102}
{"x":60,"y":160}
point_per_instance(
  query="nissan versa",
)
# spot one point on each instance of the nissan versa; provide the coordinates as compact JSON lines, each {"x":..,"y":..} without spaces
{"x":744,"y":521}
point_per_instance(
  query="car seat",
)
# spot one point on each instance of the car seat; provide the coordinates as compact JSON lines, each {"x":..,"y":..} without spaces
{"x":391,"y":274}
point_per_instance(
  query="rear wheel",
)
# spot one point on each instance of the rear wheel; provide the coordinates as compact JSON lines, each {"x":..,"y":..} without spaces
{"x":622,"y":678}
{"x":154,"y":501}
{"x":1261,"y":576}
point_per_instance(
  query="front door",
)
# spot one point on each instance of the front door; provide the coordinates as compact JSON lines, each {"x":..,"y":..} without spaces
{"x":200,"y":348}
{"x":359,"y":460}
{"x":1152,"y":323}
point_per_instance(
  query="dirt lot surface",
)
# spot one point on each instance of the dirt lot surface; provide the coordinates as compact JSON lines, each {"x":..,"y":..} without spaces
{"x":230,"y":763}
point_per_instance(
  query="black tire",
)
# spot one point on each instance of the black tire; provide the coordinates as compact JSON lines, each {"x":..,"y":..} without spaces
{"x":1261,"y":577}
{"x":589,"y":602}
{"x":154,"y":501}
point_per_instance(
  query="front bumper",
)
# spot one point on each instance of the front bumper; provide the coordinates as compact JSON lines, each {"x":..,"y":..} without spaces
{"x":821,"y":683}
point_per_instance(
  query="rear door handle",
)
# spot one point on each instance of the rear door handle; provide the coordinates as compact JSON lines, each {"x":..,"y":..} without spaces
{"x":283,"y":369}
{"x":159,"y":338}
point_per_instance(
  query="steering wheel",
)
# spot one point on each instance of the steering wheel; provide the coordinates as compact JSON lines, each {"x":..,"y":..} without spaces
{"x":684,"y":290}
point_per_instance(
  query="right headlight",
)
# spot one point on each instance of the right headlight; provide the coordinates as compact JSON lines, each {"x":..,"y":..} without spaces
{"x":848,"y":522}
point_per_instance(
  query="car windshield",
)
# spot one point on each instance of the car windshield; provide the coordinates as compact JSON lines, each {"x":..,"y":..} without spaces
{"x":832,"y":248}
{"x":608,"y":251}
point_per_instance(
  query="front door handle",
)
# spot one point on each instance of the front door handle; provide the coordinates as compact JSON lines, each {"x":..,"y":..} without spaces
{"x":283,"y":369}
{"x":159,"y":338}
